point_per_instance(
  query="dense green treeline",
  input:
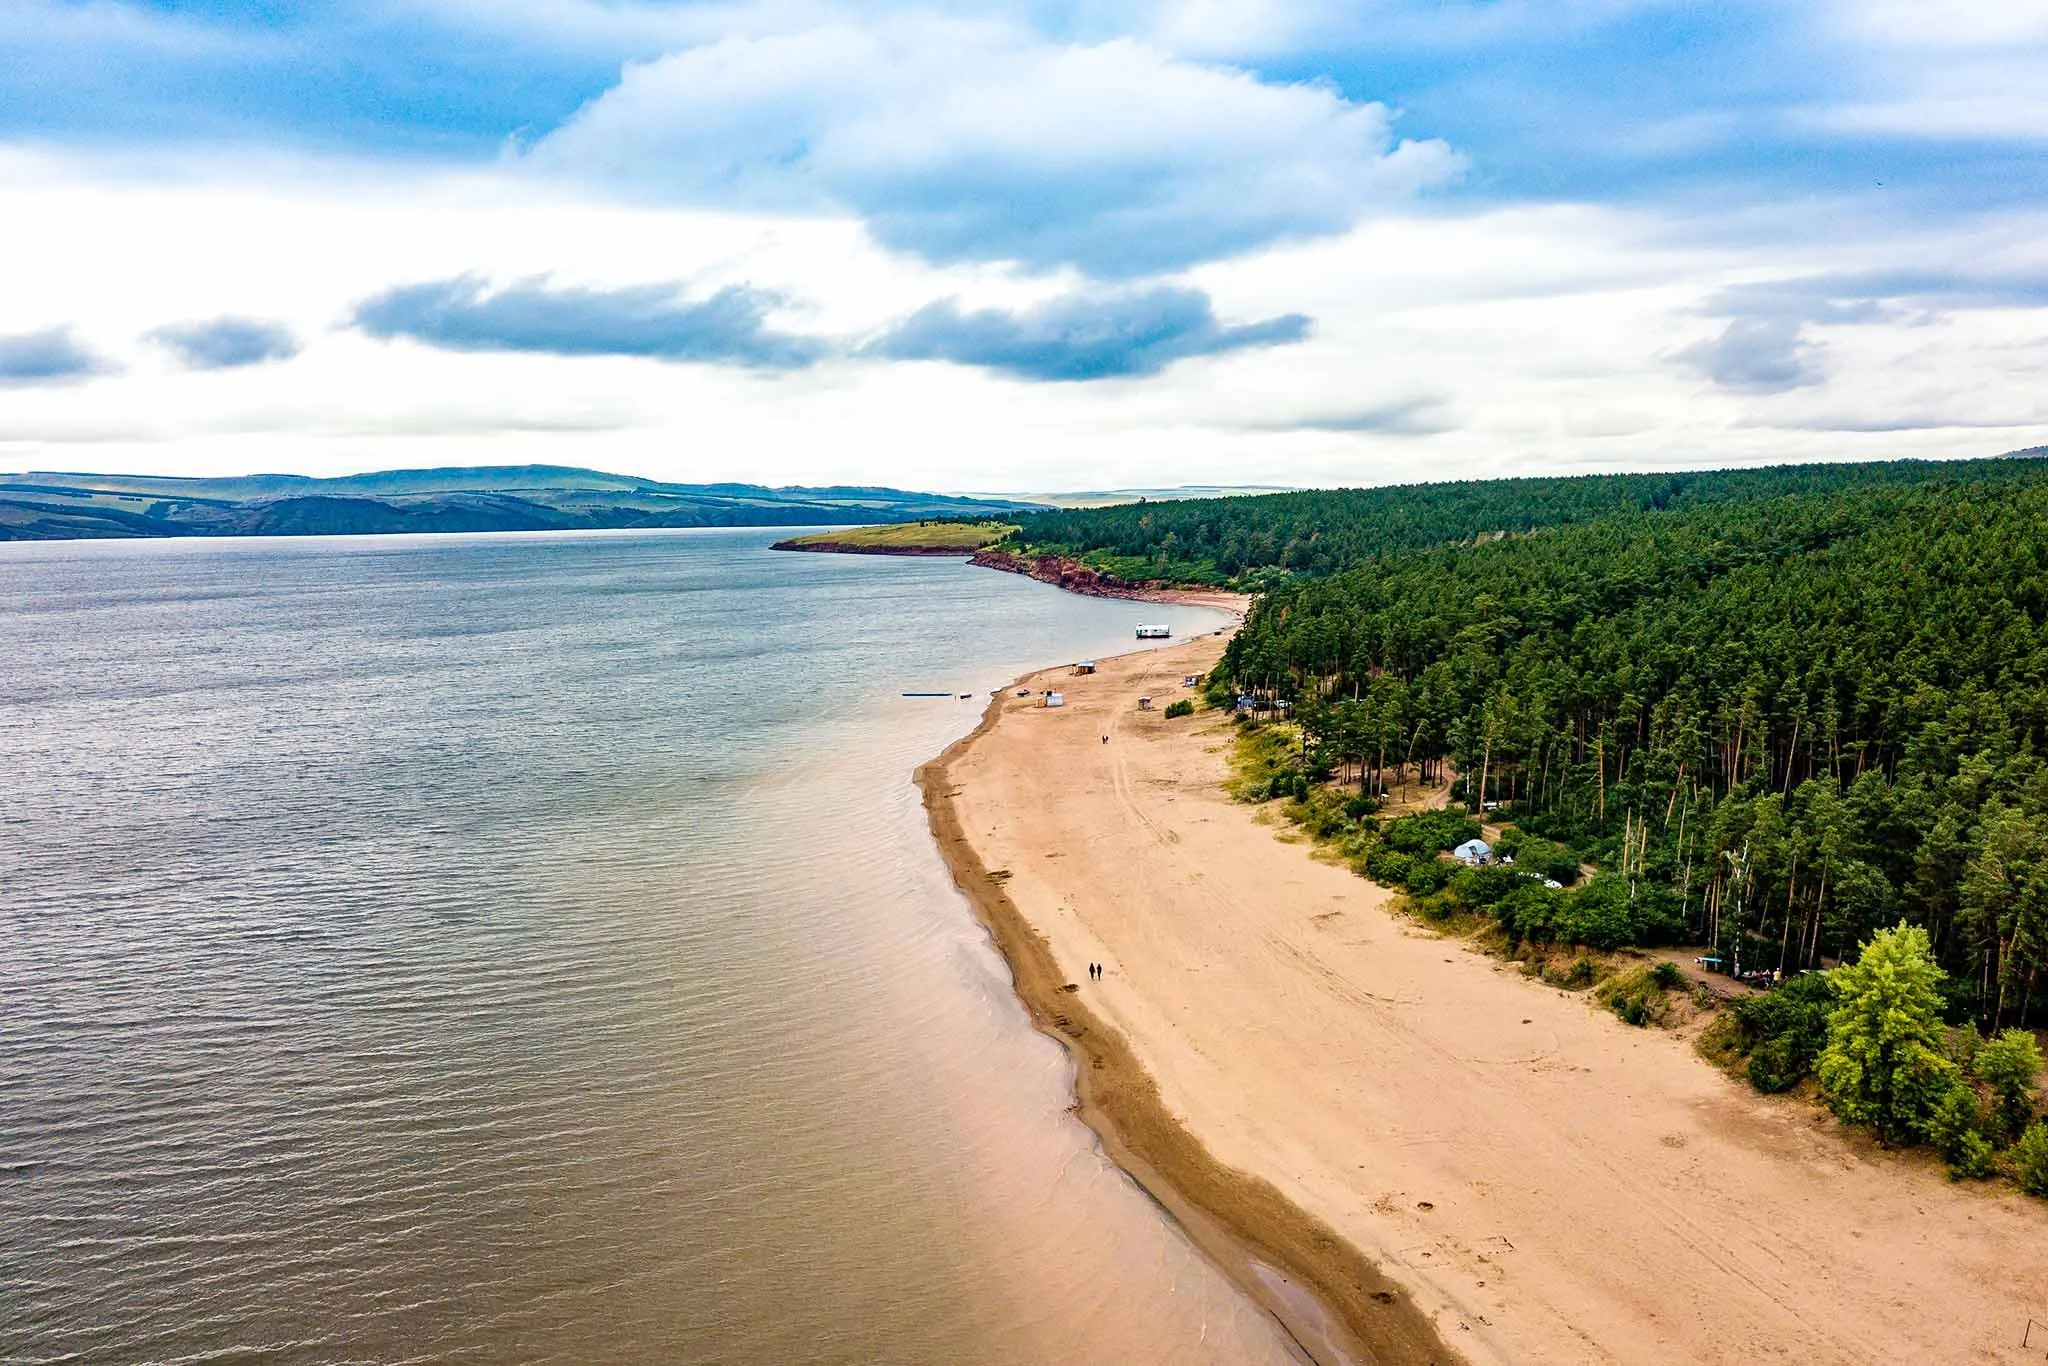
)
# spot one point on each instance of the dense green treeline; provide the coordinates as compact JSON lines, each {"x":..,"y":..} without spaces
{"x":1774,"y":724}
{"x":1257,"y":541}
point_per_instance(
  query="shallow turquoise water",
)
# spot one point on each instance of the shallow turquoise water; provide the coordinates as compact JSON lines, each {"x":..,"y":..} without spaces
{"x":529,"y":948}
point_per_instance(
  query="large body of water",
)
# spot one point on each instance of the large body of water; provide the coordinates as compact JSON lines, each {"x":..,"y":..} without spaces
{"x":521,"y":949}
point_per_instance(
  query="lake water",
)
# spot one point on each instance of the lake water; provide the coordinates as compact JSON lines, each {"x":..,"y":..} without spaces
{"x":530,"y":948}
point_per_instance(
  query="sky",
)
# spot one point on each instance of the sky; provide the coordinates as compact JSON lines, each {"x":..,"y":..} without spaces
{"x":1021,"y":247}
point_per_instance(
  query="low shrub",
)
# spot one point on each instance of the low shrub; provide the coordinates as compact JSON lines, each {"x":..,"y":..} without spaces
{"x":1436,"y":906}
{"x":1485,"y":886}
{"x":1783,"y":1031}
{"x":1544,"y":858}
{"x":1526,"y":912}
{"x":2030,"y":1159}
{"x":1956,"y":1129}
{"x":1388,"y":866}
{"x":1576,"y":975}
{"x":1432,"y":832}
{"x":1184,"y":706}
{"x":2009,"y":1064}
{"x":1428,"y":875}
{"x":1639,"y":997}
{"x":1609,"y":912}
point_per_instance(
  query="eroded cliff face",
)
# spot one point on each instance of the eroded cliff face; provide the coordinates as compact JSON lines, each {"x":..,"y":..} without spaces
{"x":1063,"y":573}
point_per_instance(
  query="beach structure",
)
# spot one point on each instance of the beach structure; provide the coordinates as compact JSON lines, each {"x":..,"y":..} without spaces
{"x":1474,"y":852}
{"x":1055,"y":699}
{"x":1154,"y":632}
{"x":1086,"y":666}
{"x":1144,"y":704}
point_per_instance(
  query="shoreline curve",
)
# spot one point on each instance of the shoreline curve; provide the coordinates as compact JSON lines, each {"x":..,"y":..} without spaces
{"x":1337,"y":1304}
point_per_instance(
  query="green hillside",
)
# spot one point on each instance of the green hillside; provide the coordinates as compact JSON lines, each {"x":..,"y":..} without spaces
{"x":57,"y":506}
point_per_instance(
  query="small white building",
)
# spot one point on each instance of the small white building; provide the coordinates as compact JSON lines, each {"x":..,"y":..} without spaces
{"x":1055,"y":699}
{"x":1474,"y":852}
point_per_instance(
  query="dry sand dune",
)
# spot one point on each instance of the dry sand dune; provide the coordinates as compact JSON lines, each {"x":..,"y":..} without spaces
{"x":1539,"y":1181}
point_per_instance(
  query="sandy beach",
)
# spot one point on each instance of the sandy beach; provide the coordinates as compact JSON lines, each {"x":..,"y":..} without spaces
{"x":1408,"y":1149}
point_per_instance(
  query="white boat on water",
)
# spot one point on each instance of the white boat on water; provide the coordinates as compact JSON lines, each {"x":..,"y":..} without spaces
{"x":1154,"y":632}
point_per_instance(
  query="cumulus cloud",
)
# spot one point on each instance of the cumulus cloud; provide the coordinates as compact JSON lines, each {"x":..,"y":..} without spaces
{"x":968,"y":141}
{"x":227,"y":343}
{"x":1423,"y":415}
{"x":1758,"y":356}
{"x":1765,"y":349}
{"x":49,"y":357}
{"x":654,"y":321}
{"x":1082,"y":336}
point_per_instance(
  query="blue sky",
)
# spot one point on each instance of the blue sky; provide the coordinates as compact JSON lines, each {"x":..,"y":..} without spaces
{"x":1217,"y":239}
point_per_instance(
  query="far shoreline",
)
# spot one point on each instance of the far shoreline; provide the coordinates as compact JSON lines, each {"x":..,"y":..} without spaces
{"x":1056,"y":570}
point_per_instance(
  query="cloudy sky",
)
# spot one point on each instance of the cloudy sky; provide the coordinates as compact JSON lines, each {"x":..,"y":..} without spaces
{"x":1025,"y":246}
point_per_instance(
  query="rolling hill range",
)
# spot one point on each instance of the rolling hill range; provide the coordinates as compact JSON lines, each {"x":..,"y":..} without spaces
{"x":55,"y":506}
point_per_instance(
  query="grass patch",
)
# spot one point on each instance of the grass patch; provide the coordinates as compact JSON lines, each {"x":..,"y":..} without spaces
{"x":915,"y":535}
{"x":1641,"y":997}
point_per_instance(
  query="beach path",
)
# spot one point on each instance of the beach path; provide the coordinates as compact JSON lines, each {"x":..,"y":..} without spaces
{"x":1544,"y":1182}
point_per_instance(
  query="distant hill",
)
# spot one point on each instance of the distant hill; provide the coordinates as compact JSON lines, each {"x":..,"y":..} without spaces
{"x":59,"y":506}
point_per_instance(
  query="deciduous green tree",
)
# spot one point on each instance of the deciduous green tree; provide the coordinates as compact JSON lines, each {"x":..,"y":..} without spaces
{"x":1884,"y":1065}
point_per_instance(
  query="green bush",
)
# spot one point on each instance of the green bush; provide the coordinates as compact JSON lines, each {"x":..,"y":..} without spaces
{"x":1955,"y":1127}
{"x":1777,"y":1065}
{"x":1608,"y":913}
{"x":1389,"y":866}
{"x":1545,"y":858}
{"x":2030,"y":1159}
{"x":1637,"y":997}
{"x":1583,"y":972}
{"x":1432,"y":832}
{"x":1428,"y":875}
{"x":1668,"y":975}
{"x":1528,"y":912}
{"x":1437,"y":906}
{"x":2009,"y":1064}
{"x":1184,"y":706}
{"x":1785,"y":1030}
{"x":1485,"y":886}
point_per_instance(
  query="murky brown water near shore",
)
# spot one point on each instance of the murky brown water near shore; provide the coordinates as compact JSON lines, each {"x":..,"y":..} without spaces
{"x":530,"y":949}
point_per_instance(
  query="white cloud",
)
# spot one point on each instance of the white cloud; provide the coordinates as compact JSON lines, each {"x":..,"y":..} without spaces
{"x":1938,"y":69}
{"x":1940,"y":24}
{"x":1483,"y":343}
{"x":976,"y":141}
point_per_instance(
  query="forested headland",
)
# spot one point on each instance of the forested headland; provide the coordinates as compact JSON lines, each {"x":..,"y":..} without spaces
{"x":1253,"y":542}
{"x":1774,"y":712}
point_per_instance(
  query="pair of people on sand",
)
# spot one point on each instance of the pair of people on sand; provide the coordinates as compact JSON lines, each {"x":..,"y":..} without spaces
{"x":1095,"y":972}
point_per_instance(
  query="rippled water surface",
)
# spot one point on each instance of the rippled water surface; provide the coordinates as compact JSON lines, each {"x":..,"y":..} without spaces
{"x":530,"y":949}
